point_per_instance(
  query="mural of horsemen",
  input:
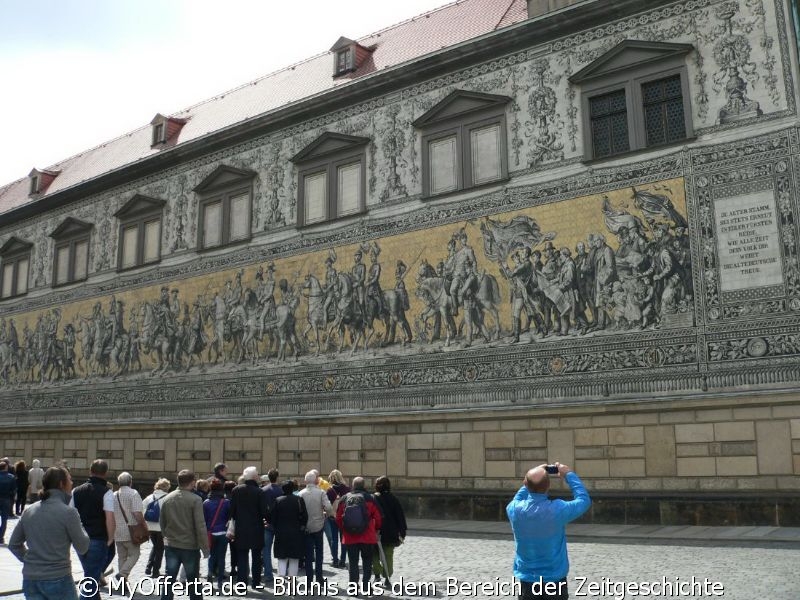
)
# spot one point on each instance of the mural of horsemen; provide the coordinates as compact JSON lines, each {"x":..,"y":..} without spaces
{"x":617,"y":262}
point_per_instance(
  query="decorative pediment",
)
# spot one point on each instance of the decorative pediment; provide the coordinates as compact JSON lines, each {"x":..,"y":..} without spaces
{"x":629,"y":54}
{"x":461,"y":103}
{"x":15,"y":245}
{"x":329,"y":143}
{"x":71,"y":226}
{"x":140,"y":205}
{"x":342,"y":43}
{"x":224,"y":176}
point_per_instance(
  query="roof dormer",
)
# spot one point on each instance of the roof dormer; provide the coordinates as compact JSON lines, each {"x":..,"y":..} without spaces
{"x":348,"y":56}
{"x":165,"y":130}
{"x":39,"y":180}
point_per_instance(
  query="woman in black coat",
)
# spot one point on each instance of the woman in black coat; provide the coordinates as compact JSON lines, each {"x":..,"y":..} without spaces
{"x":21,"y":471}
{"x":288,"y":519}
{"x":393,"y":527}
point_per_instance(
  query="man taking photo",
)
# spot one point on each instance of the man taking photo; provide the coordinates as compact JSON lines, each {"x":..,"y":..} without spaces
{"x":540,"y":563}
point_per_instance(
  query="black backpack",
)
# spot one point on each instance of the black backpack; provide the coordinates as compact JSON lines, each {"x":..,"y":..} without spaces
{"x":356,"y":516}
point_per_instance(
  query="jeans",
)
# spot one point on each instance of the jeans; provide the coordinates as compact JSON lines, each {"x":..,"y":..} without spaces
{"x":5,"y":512}
{"x":314,"y":556}
{"x":243,"y":566}
{"x":216,"y":559}
{"x":365,"y":550}
{"x":50,"y":589}
{"x":95,"y":561}
{"x":156,"y":553}
{"x":336,"y":538}
{"x":269,"y":538}
{"x":190,"y":559}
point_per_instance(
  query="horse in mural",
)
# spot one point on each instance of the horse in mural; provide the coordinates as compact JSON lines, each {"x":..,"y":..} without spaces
{"x":394,"y":314}
{"x":433,"y":292}
{"x":8,"y":359}
{"x":242,"y":325}
{"x":350,"y":316}
{"x":284,"y":327}
{"x":316,"y":315}
{"x":158,"y":335}
{"x":482,"y":295}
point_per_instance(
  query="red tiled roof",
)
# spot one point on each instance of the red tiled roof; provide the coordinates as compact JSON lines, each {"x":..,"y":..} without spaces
{"x":445,"y":26}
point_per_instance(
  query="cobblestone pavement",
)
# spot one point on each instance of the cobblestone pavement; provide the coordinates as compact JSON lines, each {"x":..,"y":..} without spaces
{"x":744,"y":573}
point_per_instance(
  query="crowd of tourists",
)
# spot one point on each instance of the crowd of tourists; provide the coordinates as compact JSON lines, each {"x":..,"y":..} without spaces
{"x":254,"y":520}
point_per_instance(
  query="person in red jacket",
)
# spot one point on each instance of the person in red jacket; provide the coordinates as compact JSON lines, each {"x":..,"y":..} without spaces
{"x":359,"y":519}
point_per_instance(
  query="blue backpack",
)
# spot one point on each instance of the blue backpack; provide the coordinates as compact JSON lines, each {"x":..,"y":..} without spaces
{"x":153,"y":511}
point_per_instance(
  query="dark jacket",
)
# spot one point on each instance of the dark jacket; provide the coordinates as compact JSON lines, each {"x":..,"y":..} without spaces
{"x":88,"y":499}
{"x":8,"y":485}
{"x":248,"y":510}
{"x":22,"y":482}
{"x":289,"y":518}
{"x":271,"y":492}
{"x":393,"y":526}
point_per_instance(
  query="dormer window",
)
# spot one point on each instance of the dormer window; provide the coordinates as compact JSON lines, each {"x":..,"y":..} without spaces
{"x":165,"y":130}
{"x":40,"y":180}
{"x":348,"y":56}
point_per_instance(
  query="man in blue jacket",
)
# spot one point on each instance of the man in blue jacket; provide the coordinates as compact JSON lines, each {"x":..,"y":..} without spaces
{"x":540,"y":562}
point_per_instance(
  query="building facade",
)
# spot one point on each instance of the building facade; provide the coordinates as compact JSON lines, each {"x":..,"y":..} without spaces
{"x":556,"y":231}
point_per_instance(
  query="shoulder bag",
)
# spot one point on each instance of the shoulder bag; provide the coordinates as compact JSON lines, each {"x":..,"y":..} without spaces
{"x":138,"y":532}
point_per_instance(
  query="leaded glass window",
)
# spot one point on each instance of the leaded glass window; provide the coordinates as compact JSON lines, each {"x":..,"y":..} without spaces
{"x":609,"y":121}
{"x":664,"y":120}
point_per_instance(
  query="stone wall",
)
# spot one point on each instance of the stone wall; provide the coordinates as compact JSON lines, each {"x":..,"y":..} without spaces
{"x":643,"y":461}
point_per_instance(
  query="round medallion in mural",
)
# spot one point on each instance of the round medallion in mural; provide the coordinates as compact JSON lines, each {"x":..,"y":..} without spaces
{"x":395,"y":379}
{"x":329,"y":383}
{"x":271,"y":388}
{"x":702,"y":181}
{"x":781,"y":166}
{"x":713,"y":314}
{"x":557,"y":365}
{"x":471,"y":373}
{"x":757,"y":347}
{"x":655,"y":357}
{"x":794,"y":303}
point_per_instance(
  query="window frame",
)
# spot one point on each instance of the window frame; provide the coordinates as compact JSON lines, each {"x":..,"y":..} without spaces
{"x":71,"y":242}
{"x":15,"y":256}
{"x":140,"y":222}
{"x":224,"y":197}
{"x":462,"y":127}
{"x":330,"y":166}
{"x":632,"y":81}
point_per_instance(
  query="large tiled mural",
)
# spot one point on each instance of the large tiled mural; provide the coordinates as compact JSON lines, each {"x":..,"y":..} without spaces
{"x":594,"y":265}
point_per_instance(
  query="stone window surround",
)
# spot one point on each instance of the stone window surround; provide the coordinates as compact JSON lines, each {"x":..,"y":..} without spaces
{"x":224,"y":196}
{"x":462,"y":127}
{"x":330,"y":164}
{"x":14,"y":255}
{"x":632,"y":81}
{"x":81,"y":232}
{"x":139,"y":217}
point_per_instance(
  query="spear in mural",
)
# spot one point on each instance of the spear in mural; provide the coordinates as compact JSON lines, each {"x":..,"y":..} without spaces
{"x":413,"y":262}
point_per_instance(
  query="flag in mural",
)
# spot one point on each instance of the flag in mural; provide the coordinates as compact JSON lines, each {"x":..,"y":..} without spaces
{"x":655,"y":206}
{"x":617,"y":218}
{"x":501,"y":239}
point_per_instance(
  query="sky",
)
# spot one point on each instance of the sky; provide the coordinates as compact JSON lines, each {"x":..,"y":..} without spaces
{"x":77,"y":73}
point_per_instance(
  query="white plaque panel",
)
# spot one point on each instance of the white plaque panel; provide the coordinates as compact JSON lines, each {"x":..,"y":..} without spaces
{"x":748,"y":241}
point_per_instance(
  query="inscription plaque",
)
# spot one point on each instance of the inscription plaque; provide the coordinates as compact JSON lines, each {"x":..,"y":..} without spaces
{"x":748,"y":242}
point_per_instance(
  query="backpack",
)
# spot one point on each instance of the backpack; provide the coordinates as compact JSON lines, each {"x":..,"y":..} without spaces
{"x":356,"y":517}
{"x":153,"y":511}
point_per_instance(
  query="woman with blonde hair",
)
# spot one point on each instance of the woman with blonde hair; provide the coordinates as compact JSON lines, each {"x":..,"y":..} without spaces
{"x":336,"y":492}
{"x":152,"y":511}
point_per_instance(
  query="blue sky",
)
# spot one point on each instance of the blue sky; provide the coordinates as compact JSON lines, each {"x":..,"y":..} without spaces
{"x":76,"y":73}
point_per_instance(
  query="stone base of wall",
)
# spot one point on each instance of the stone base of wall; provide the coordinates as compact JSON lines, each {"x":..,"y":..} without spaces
{"x":696,"y":461}
{"x":744,"y":511}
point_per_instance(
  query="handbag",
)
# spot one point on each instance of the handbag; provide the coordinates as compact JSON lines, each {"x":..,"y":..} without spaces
{"x":214,"y":521}
{"x":138,"y":532}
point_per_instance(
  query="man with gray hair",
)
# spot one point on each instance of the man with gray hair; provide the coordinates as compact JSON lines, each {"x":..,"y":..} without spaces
{"x":247,"y":512}
{"x":128,"y":509}
{"x":319,"y":508}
